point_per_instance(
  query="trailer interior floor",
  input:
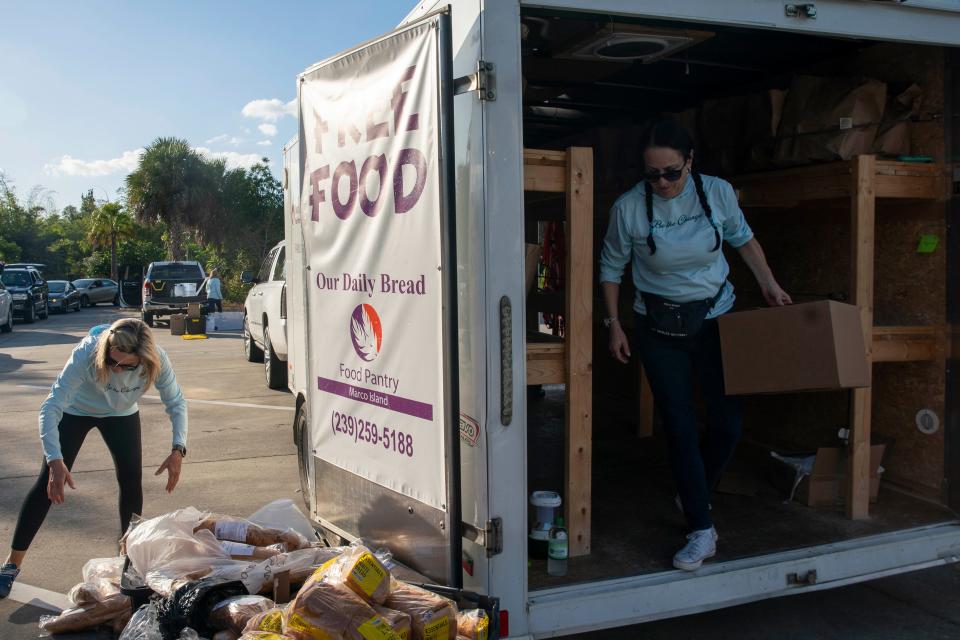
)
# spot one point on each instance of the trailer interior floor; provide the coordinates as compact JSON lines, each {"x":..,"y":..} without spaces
{"x":636,"y":525}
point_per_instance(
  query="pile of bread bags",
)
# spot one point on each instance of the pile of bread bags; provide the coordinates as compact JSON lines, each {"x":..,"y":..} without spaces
{"x":347,"y":592}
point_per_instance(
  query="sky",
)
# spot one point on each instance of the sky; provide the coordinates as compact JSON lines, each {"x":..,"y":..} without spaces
{"x":85,"y":86}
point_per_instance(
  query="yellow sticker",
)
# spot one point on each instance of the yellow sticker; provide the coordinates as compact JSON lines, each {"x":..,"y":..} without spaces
{"x":483,"y":628}
{"x":324,"y":567}
{"x":368,"y":573}
{"x":273,"y":621}
{"x":404,"y":634}
{"x":296,"y":621}
{"x":376,"y":628}
{"x":438,"y":629}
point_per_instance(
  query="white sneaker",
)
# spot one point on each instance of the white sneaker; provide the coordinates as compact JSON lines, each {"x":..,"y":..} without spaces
{"x":700,"y":546}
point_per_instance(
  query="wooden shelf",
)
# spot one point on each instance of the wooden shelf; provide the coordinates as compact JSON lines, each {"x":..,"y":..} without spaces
{"x":891,"y":180}
{"x":907,"y":344}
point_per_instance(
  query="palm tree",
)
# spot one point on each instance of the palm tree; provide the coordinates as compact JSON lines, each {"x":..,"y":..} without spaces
{"x":174,"y":184}
{"x":110,"y":224}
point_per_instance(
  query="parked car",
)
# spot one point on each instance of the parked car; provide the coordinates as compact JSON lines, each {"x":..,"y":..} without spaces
{"x":6,"y":309}
{"x":96,"y":290}
{"x":63,"y":296}
{"x":265,"y":317}
{"x":29,"y":292}
{"x":169,"y":287}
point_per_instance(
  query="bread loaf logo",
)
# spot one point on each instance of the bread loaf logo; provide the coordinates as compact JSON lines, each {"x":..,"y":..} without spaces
{"x":366,"y":332}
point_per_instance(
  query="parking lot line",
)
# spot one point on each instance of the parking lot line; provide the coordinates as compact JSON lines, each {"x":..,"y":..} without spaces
{"x":222,"y":403}
{"x":38,"y":597}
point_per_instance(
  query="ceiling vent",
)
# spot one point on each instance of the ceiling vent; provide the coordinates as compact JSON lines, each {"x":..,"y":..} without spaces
{"x":633,"y":43}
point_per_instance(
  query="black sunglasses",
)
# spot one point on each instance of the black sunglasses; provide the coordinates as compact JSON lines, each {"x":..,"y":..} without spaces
{"x":670,"y":175}
{"x":113,"y":364}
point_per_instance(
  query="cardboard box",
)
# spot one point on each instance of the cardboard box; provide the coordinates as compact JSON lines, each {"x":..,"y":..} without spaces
{"x":826,"y":485}
{"x":178,"y":324}
{"x":194,"y":310}
{"x":802,"y":347}
{"x":195,"y":326}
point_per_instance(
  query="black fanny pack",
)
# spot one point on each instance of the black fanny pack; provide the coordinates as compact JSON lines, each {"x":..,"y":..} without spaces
{"x":677,"y":319}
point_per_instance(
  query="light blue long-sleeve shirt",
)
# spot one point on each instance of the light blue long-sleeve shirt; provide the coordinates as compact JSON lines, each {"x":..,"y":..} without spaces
{"x":683,"y":268}
{"x":213,"y":289}
{"x":77,"y":392}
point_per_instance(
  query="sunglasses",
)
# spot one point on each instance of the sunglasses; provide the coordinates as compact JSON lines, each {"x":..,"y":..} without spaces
{"x":113,"y":364}
{"x":670,"y":175}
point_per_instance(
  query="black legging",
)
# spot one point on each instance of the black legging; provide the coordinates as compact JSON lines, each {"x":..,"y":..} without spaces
{"x":122,"y":437}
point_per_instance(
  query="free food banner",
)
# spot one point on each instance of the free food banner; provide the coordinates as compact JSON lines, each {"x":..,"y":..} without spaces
{"x":370,"y":213}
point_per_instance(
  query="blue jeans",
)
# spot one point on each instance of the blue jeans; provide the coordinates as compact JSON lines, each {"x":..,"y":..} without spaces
{"x":670,"y":364}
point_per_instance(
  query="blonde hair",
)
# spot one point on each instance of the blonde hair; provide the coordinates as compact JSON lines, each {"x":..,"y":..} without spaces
{"x":128,"y":335}
{"x":214,"y":273}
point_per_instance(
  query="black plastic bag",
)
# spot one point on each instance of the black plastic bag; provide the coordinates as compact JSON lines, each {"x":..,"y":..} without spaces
{"x":190,"y":606}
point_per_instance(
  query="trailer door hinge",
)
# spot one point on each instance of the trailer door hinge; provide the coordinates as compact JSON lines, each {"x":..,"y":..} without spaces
{"x":802,"y":579}
{"x":483,"y":81}
{"x":490,"y":538}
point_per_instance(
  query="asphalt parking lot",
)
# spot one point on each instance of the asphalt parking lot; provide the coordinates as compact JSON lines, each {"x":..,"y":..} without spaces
{"x":240,"y":451}
{"x":241,"y":456}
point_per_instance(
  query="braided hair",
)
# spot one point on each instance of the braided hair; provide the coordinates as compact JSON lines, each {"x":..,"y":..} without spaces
{"x":669,"y":134}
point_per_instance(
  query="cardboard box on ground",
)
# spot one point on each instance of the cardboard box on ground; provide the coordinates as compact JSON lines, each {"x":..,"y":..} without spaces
{"x":819,"y":479}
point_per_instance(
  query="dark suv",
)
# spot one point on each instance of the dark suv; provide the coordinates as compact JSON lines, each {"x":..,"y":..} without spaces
{"x":29,"y":291}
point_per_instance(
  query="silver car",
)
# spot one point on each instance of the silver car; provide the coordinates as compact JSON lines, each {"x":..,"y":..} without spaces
{"x":95,"y":290}
{"x":6,"y":309}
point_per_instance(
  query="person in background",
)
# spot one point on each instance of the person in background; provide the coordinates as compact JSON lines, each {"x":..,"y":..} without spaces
{"x":214,"y":294}
{"x":671,"y":226}
{"x":98,"y":388}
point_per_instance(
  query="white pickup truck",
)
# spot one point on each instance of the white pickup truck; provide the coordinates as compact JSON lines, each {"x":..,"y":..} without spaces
{"x":265,"y":317}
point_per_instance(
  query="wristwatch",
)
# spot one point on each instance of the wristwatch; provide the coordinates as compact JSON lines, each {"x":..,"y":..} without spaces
{"x":608,"y":322}
{"x":182,"y":449}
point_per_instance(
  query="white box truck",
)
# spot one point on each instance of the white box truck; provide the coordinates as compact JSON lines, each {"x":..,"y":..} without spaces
{"x":409,"y":347}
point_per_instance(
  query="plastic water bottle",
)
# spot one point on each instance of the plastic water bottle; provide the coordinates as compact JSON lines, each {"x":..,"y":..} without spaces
{"x":557,"y":550}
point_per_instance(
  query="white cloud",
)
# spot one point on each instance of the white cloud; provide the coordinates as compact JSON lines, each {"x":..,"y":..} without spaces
{"x":269,"y":110}
{"x":224,"y":138}
{"x":70,"y":166}
{"x":268,"y":129}
{"x":234,"y":160}
{"x":265,"y":143}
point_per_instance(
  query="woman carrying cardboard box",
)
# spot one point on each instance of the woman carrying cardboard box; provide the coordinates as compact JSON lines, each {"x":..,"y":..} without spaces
{"x":671,"y":225}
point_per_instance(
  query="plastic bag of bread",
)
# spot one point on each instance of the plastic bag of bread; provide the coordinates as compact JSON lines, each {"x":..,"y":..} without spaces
{"x":87,"y":616}
{"x":432,"y":617}
{"x":319,"y":557}
{"x":398,"y":621}
{"x":271,"y":621}
{"x":360,"y":570}
{"x":224,"y":635}
{"x":473,"y":624}
{"x":233,"y":613}
{"x":263,"y":635}
{"x":328,"y":609}
{"x":243,"y":551}
{"x":240,"y":530}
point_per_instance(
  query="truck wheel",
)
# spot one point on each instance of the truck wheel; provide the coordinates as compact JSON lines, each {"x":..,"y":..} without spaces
{"x":30,"y":314}
{"x":85,"y":302}
{"x":45,"y":313}
{"x":274,"y":368}
{"x":250,"y":348}
{"x":148,"y":319}
{"x":302,"y":425}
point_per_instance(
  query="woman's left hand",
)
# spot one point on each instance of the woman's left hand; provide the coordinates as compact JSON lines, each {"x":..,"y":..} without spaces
{"x":774,"y":295}
{"x":172,"y":466}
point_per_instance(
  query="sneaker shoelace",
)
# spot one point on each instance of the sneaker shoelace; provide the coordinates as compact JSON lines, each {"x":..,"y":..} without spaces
{"x":699,"y":542}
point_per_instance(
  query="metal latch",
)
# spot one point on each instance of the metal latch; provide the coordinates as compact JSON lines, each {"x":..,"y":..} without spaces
{"x":490,"y":538}
{"x":483,"y":81}
{"x":802,"y":580}
{"x":800,"y":11}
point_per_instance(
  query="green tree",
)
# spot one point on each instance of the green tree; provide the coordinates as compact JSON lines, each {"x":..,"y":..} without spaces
{"x":175,"y":185}
{"x":109,"y":225}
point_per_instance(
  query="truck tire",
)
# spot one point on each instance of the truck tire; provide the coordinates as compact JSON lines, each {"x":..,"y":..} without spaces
{"x":301,"y":425}
{"x":274,"y":368}
{"x":250,"y":349}
{"x":46,"y":312}
{"x":148,"y":319}
{"x":30,"y":314}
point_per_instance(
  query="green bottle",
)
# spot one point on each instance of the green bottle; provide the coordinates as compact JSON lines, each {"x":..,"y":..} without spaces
{"x":558,"y":549}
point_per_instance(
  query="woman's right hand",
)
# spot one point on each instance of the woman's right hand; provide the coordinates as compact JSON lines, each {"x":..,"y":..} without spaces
{"x":619,"y":345}
{"x":59,"y":474}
